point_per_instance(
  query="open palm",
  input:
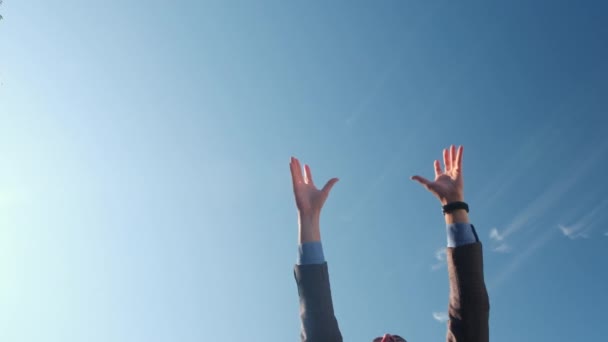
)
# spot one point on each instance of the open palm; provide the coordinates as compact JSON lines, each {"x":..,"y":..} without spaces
{"x":448,"y":185}
{"x":309,"y":199}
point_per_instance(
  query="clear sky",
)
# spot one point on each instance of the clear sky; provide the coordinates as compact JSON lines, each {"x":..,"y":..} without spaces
{"x":145,"y":192}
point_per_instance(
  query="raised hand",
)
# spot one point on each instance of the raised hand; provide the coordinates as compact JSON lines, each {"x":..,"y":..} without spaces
{"x":448,"y":185}
{"x":309,"y":199}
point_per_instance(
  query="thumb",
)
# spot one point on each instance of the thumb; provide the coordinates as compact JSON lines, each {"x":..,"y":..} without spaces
{"x":423,"y":181}
{"x":330,"y":184}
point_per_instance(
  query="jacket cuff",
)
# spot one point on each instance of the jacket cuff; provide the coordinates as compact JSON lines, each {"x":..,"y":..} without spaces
{"x":460,"y":234}
{"x":310,"y":253}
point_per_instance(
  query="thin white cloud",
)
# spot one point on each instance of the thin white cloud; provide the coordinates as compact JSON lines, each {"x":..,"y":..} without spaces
{"x":555,"y":192}
{"x":525,"y":157}
{"x":499,"y":243}
{"x":573,"y":232}
{"x":584,"y":225}
{"x":440,"y":255}
{"x":520,"y":258}
{"x":441,"y":317}
{"x":567,"y":231}
{"x":365,"y":103}
{"x":437,"y":266}
{"x":502,"y":248}
{"x":606,"y":234}
{"x":541,"y":205}
{"x":495,"y":235}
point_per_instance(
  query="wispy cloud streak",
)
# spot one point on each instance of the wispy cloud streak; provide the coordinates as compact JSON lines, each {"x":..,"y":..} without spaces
{"x":441,"y":317}
{"x":502,"y":248}
{"x":554,"y":193}
{"x":573,"y":232}
{"x":519,"y":259}
{"x":440,"y":255}
{"x":498,"y":240}
{"x":583,"y":227}
{"x":495,"y":235}
{"x":525,"y":158}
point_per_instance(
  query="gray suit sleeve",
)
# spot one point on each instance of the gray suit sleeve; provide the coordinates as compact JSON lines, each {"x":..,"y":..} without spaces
{"x":319,"y":323}
{"x":469,"y":306}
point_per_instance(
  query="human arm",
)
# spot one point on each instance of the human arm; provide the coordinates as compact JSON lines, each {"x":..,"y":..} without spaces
{"x":468,"y":304}
{"x":316,"y":308}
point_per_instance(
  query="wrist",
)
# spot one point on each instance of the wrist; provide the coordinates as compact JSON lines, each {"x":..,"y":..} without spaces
{"x":451,"y":199}
{"x":457,"y":216}
{"x":309,"y":218}
{"x":309,"y":227}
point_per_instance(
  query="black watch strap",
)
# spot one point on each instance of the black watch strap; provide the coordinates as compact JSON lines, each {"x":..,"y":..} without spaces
{"x":448,"y":208}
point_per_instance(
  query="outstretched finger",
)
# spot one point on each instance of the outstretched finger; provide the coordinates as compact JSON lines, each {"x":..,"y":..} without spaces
{"x":296,"y":172}
{"x":330,"y":184}
{"x":425,"y":182}
{"x":299,"y":169}
{"x":308,"y":175}
{"x":459,"y":157}
{"x":437,"y":168}
{"x":293,"y":173}
{"x":447,"y":159}
{"x":453,"y":156}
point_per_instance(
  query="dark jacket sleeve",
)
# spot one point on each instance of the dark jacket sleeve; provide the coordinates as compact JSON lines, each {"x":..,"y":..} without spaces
{"x":469,"y":307}
{"x":316,"y":309}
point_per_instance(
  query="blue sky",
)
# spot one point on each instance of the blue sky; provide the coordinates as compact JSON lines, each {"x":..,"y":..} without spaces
{"x":144,"y":149}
